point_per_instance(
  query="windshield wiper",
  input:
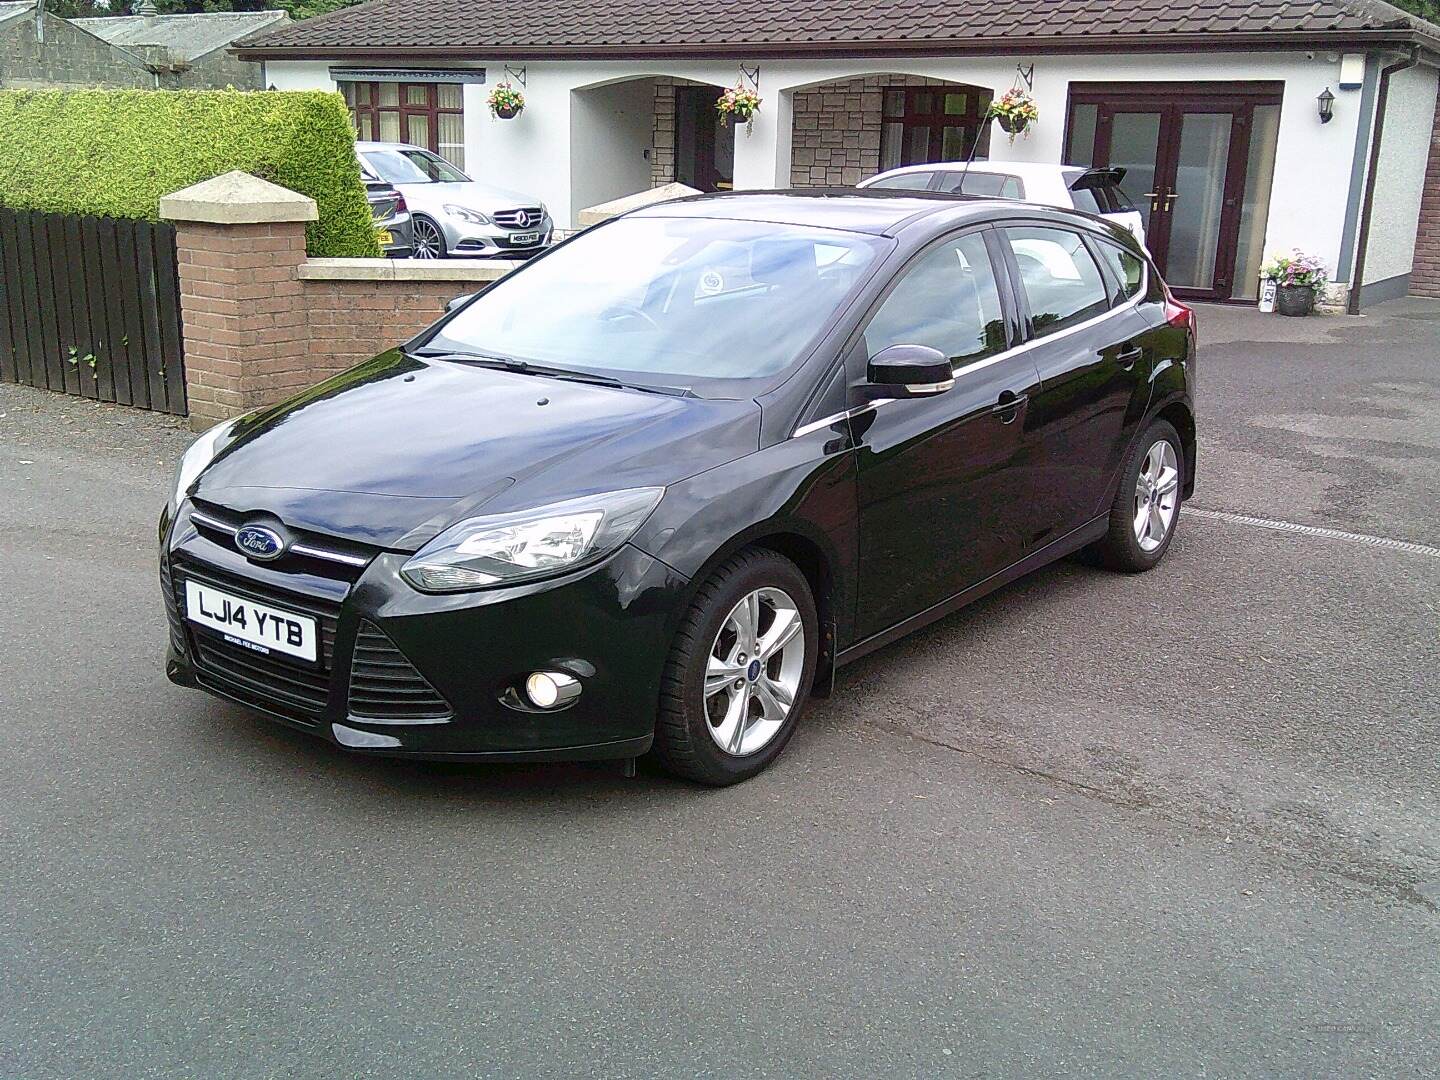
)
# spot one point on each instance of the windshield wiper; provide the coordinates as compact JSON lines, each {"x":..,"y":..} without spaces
{"x":524,"y":367}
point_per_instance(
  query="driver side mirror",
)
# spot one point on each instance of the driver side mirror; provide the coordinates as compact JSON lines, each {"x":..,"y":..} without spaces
{"x":907,"y":371}
{"x":459,"y":301}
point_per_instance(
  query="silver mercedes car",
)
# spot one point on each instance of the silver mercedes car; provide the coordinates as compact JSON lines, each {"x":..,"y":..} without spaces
{"x":452,"y":214}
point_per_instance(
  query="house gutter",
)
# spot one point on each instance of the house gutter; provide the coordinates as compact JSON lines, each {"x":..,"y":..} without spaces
{"x":971,"y":46}
{"x":1362,"y":240}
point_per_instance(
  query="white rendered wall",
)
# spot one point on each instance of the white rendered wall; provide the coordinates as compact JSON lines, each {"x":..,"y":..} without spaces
{"x":533,"y":153}
{"x":1400,"y":181}
{"x":612,"y":131}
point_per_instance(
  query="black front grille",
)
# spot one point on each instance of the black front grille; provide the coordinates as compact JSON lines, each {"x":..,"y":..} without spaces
{"x":294,"y":689}
{"x":172,"y":612}
{"x":525,"y":217}
{"x":385,"y":686}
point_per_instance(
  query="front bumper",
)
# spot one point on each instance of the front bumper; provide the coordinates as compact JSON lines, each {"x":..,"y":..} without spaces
{"x":609,"y":626}
{"x":466,"y":240}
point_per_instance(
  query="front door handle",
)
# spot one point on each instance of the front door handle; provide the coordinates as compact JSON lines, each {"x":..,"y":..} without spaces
{"x":1126,"y":357}
{"x":1008,"y":407}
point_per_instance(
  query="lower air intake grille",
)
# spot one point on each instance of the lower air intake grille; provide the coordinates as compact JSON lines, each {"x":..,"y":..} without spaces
{"x":385,"y":686}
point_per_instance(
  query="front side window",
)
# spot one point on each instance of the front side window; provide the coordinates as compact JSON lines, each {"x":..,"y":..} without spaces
{"x":412,"y":167}
{"x":1127,"y":268}
{"x":1061,"y":281}
{"x":947,"y":300}
{"x":916,"y":181}
{"x":671,"y":301}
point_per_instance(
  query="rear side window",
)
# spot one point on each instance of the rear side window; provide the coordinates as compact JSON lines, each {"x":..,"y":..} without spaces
{"x":947,"y":300}
{"x":915,"y":181}
{"x":995,"y":185}
{"x":1061,"y":281}
{"x":1085,"y":199}
{"x":1126,"y":268}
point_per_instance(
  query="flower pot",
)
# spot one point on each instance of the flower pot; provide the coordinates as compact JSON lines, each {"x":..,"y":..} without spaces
{"x":1013,"y":125}
{"x":1295,"y":299}
{"x":508,"y":112}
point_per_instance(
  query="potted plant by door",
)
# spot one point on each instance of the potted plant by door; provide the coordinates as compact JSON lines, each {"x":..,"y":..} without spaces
{"x":740,"y":104}
{"x":505,"y":101}
{"x":1016,"y":111}
{"x":1298,"y":278}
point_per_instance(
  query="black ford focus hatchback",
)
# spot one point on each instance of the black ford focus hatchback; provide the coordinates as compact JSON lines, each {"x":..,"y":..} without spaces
{"x":647,"y":493}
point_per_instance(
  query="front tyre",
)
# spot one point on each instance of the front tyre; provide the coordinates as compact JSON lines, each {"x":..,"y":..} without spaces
{"x":740,"y":671}
{"x":1147,"y":506}
{"x":429,"y":240}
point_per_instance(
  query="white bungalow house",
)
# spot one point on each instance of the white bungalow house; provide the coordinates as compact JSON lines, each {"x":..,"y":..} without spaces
{"x":1247,"y":128}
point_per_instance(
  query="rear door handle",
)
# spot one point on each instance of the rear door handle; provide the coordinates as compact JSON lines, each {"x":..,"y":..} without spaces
{"x":1009,"y":406}
{"x":1126,"y":357}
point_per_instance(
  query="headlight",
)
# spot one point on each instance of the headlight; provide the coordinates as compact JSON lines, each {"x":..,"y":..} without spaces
{"x":505,"y":548}
{"x":464,"y":213}
{"x":202,"y":451}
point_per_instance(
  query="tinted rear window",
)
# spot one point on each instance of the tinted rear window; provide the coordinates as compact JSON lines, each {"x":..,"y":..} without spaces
{"x":996,"y":185}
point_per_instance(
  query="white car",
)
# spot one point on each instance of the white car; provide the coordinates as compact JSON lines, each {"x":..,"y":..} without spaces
{"x":1095,"y":191}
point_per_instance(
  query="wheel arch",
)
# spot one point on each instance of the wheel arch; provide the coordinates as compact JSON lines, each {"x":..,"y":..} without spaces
{"x":1178,"y":415}
{"x":815,"y":560}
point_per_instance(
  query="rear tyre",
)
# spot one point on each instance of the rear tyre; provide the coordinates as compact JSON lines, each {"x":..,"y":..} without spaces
{"x":1147,"y":505}
{"x":739,"y":672}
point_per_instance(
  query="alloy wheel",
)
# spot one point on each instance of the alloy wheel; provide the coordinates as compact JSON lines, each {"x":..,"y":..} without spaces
{"x":429,"y":244}
{"x":753,"y":671}
{"x":1157,"y":494}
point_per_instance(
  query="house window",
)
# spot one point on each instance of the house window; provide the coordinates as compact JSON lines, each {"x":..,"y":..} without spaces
{"x":930,"y":123}
{"x":431,"y":115}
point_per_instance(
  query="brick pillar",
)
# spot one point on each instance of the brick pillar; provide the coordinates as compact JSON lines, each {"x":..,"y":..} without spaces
{"x":240,"y":243}
{"x":1425,"y":277}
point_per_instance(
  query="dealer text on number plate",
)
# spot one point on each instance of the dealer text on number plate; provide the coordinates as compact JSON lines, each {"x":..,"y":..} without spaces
{"x":255,"y":626}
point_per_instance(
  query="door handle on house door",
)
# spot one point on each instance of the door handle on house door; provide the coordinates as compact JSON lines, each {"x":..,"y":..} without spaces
{"x":1154,"y":197}
{"x":1126,"y":357}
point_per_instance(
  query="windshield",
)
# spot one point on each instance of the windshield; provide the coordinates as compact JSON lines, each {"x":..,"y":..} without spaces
{"x":683,"y":299}
{"x":413,"y":167}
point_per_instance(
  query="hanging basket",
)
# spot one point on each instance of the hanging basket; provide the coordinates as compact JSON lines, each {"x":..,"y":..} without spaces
{"x":508,"y":112}
{"x":1013,"y":125}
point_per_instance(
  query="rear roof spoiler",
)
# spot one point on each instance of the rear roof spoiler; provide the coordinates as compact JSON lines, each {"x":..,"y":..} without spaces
{"x":1091,"y":179}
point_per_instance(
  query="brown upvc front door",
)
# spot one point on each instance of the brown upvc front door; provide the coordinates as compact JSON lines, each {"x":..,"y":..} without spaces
{"x":1186,"y":151}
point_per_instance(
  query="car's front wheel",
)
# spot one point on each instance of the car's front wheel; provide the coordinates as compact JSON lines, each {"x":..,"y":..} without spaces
{"x":740,"y":671}
{"x":429,"y":240}
{"x":1147,"y":506}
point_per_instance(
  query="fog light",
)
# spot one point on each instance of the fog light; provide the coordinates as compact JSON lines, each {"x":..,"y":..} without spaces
{"x":551,"y":689}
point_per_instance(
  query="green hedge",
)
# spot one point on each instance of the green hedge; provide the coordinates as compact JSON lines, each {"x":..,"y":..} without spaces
{"x":116,"y":152}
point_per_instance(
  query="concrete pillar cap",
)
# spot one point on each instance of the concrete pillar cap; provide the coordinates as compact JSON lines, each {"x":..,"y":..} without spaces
{"x":237,"y":198}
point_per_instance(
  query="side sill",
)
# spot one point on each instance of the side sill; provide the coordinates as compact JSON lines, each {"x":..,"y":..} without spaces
{"x":1057,"y":549}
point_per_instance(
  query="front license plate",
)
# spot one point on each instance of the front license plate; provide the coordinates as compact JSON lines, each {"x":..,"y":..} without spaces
{"x":254,"y":626}
{"x":386,"y":238}
{"x":521,"y":239}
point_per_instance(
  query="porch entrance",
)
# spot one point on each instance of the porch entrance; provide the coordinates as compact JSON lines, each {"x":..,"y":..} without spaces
{"x":704,"y":149}
{"x":1199,"y":159}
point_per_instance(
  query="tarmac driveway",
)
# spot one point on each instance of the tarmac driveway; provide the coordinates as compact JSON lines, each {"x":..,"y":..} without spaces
{"x":1178,"y":824}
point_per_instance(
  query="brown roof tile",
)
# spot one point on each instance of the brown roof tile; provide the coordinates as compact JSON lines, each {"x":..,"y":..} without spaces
{"x":539,"y":27}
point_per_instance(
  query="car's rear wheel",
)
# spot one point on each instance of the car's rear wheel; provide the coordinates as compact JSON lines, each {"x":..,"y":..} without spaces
{"x":1147,"y":506}
{"x":429,"y":240}
{"x":740,"y":670}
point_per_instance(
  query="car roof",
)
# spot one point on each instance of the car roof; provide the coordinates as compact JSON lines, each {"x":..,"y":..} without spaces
{"x":363,"y":146}
{"x":882,"y":212}
{"x":1026,"y":170}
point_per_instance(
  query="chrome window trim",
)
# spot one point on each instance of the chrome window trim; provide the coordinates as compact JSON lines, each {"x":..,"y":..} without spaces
{"x":299,"y":549}
{"x":965,"y":369}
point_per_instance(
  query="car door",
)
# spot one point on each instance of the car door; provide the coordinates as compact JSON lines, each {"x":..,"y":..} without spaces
{"x":1094,"y":385}
{"x":942,"y":479}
